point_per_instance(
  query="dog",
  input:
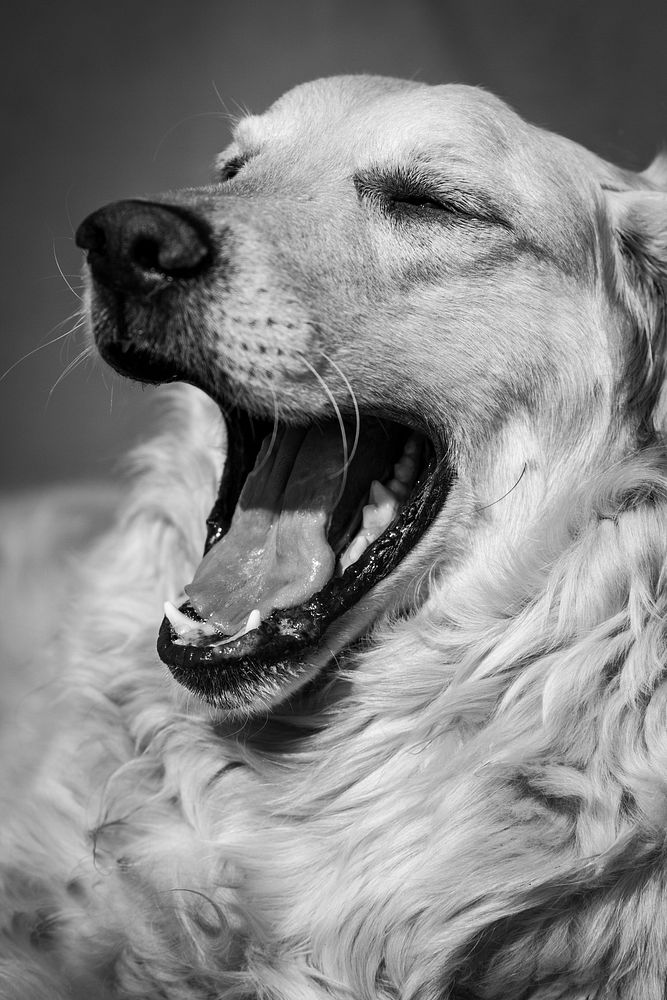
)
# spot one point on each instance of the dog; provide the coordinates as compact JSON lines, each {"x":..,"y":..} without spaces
{"x":404,"y":732}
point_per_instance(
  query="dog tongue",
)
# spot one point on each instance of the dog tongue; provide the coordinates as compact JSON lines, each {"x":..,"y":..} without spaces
{"x":276,"y":553}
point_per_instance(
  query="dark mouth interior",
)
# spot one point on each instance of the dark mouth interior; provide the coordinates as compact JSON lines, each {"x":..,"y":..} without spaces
{"x":392,"y":481}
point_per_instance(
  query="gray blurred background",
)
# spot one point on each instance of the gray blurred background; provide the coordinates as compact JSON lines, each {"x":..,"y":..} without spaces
{"x":109,"y":100}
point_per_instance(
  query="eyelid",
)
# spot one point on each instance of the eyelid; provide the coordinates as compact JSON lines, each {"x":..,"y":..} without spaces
{"x":230,"y":167}
{"x":403,"y":186}
{"x":396,"y":190}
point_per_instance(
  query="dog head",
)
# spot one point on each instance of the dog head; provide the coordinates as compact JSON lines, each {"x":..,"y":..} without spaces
{"x":424,"y":321}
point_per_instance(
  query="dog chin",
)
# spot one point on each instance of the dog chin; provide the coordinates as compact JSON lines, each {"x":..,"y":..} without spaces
{"x":319,"y":676}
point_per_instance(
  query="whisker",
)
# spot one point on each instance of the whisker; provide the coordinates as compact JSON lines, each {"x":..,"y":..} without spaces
{"x":59,"y":276}
{"x":103,"y":372}
{"x":243,"y":111}
{"x":67,"y":211}
{"x":63,"y":275}
{"x":48,"y":343}
{"x":64,"y":347}
{"x":357,"y":419}
{"x":81,"y":356}
{"x":341,"y":424}
{"x":219,"y":96}
{"x":188,"y":118}
{"x":274,"y":433}
{"x":232,"y":118}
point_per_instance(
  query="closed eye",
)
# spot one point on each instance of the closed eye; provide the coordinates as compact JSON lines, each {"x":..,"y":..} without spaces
{"x":408,"y":193}
{"x":424,"y":202}
{"x":231,"y":168}
{"x":418,"y":200}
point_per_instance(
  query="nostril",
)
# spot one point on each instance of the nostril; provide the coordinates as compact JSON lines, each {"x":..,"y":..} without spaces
{"x":177,"y":251}
{"x":145,"y":252}
{"x":133,"y":246}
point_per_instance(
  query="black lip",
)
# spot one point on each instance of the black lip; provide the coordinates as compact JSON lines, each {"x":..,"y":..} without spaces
{"x":139,"y":363}
{"x":137,"y":355}
{"x":256,"y":666}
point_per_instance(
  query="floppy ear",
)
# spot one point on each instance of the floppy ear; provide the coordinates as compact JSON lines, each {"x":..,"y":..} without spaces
{"x":639,"y":220}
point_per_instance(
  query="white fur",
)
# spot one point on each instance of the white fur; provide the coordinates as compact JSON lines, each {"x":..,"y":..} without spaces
{"x":476,"y":808}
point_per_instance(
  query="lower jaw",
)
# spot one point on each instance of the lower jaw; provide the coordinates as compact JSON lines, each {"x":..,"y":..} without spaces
{"x":313,"y":676}
{"x":255,"y":688}
{"x":290,"y":650}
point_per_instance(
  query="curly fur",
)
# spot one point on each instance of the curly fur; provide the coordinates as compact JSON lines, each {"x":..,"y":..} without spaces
{"x":476,"y":804}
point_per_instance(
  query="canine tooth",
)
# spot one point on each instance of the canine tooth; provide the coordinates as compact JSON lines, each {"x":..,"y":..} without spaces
{"x":180,"y":623}
{"x":254,"y":621}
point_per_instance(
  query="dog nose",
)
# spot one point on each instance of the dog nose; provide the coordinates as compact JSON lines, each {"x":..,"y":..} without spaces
{"x":140,"y":246}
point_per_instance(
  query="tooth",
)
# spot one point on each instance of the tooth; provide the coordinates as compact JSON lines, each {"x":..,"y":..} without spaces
{"x":404,"y":470}
{"x":399,"y":490}
{"x":371,"y":519}
{"x":254,"y":621}
{"x":376,"y":516}
{"x":375,"y":519}
{"x":386,"y":503}
{"x":380,"y":495}
{"x":180,"y":623}
{"x":184,"y":626}
{"x":413,"y":445}
{"x":355,"y":549}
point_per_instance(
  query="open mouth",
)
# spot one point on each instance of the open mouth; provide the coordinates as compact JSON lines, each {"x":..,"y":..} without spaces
{"x":310,"y":516}
{"x":307,"y":520}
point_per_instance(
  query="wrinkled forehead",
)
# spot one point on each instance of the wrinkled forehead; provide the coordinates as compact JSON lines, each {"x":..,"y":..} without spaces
{"x":360,"y":121}
{"x":368,"y":117}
